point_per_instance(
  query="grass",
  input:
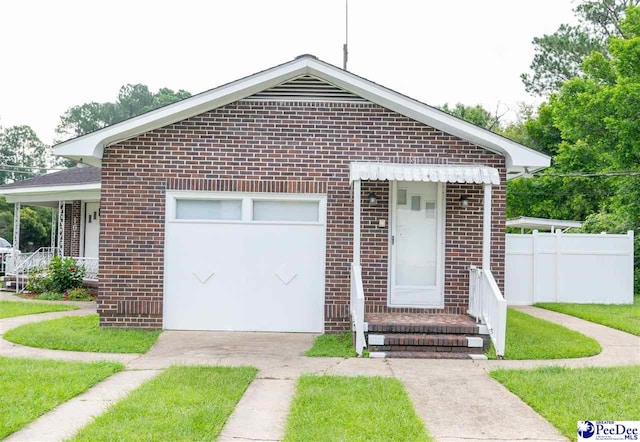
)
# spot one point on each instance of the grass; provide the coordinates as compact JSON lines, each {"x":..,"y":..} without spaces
{"x":620,"y":317}
{"x":565,"y":396}
{"x":82,"y":333}
{"x":338,"y":408}
{"x":31,"y":387}
{"x":9,"y":309}
{"x":338,"y":345}
{"x":183,"y":403}
{"x":533,"y":338}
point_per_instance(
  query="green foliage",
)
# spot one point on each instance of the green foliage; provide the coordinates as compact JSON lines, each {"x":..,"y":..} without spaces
{"x":618,"y":316}
{"x":534,"y":338}
{"x":61,"y":275}
{"x":51,"y":296}
{"x":181,"y":404}
{"x":20,"y":146}
{"x":348,"y":408}
{"x":82,"y":333}
{"x":65,"y":273}
{"x":37,"y":282}
{"x":558,"y":57}
{"x":591,"y":125}
{"x":78,"y":294}
{"x":474,"y":114}
{"x":565,"y":396}
{"x":35,"y":226}
{"x":30,"y":388}
{"x":9,"y":309}
{"x":133,"y":100}
{"x":333,"y":345}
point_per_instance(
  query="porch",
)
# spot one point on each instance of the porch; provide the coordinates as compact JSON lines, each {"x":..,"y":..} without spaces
{"x":73,"y":196}
{"x":423,"y":314}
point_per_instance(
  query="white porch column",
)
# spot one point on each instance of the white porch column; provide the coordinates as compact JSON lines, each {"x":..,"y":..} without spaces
{"x":53,"y":228}
{"x":356,"y":221}
{"x":486,"y":229}
{"x":16,"y":228}
{"x":61,"y":205}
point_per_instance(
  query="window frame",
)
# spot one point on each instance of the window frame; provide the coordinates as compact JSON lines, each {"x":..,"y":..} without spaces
{"x":247,"y":199}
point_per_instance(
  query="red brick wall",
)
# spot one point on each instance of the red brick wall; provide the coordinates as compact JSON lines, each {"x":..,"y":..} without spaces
{"x":282,"y":147}
{"x":72,"y":221}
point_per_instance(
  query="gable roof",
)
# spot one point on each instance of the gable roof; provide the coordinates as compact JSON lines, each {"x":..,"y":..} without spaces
{"x":78,"y":175}
{"x":89,"y":148}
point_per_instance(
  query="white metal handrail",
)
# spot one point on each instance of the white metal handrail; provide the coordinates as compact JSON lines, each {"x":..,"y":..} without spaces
{"x":487,"y":305}
{"x":357,"y":307}
{"x":21,"y":263}
{"x":90,"y":266}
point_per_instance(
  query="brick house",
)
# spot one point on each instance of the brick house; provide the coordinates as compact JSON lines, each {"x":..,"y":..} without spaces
{"x":275,"y":202}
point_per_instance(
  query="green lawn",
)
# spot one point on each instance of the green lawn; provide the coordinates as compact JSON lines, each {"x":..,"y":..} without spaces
{"x":31,"y":387}
{"x":339,"y":408}
{"x":82,"y":333}
{"x":621,"y":317}
{"x":182,"y":404}
{"x":565,"y":396}
{"x":533,"y":338}
{"x":9,"y":309}
{"x":333,"y":345}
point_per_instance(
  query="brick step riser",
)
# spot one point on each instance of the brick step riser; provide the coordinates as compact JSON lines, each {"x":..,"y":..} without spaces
{"x":458,"y":341}
{"x":437,"y":329}
{"x":426,"y":348}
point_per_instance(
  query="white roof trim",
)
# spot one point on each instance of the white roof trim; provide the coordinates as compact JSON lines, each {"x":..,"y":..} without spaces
{"x":440,"y":173}
{"x":542,"y":223}
{"x":49,"y":189}
{"x":89,"y":148}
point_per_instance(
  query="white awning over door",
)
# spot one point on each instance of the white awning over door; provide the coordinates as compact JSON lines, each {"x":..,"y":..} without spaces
{"x":442,"y":173}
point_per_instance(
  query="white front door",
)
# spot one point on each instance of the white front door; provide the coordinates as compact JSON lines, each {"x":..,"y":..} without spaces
{"x":417,"y":227}
{"x":91,"y":229}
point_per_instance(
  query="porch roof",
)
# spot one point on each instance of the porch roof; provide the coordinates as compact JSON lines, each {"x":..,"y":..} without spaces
{"x":443,"y":173}
{"x":81,"y":182}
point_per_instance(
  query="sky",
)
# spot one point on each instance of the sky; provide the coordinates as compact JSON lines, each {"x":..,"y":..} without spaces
{"x":57,"y":54}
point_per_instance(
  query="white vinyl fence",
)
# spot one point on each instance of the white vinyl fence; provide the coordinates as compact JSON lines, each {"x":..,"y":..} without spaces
{"x":577,"y":268}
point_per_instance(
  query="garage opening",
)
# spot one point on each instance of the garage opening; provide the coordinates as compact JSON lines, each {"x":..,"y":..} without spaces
{"x":244,"y":261}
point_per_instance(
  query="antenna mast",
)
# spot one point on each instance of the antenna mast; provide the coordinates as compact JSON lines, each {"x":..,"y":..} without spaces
{"x":345,"y":51}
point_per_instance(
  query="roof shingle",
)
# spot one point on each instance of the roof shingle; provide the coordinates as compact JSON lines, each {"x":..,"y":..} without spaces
{"x":76,"y":175}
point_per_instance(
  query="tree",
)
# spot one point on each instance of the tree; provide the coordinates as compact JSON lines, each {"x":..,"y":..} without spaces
{"x":133,"y":100}
{"x":35,"y":226}
{"x":475,"y":114}
{"x":558,"y":57}
{"x":22,"y":154}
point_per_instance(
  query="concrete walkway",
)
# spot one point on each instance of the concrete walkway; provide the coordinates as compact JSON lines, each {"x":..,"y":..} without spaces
{"x":456,"y":398}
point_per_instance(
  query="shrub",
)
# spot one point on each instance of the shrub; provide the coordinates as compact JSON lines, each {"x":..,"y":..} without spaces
{"x":65,"y":273}
{"x":38,"y":282}
{"x":50,"y":296}
{"x":78,"y":294}
{"x":61,"y":275}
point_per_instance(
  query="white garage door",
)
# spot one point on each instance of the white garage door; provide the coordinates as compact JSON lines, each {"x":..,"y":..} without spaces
{"x":244,"y":262}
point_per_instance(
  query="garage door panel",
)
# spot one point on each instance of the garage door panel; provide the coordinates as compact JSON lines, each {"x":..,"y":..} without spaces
{"x":244,"y":276}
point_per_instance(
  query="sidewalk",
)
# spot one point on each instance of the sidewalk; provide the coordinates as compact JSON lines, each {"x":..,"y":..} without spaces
{"x":456,"y":398}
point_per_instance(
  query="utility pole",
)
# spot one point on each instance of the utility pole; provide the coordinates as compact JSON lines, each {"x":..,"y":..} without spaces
{"x":345,"y":51}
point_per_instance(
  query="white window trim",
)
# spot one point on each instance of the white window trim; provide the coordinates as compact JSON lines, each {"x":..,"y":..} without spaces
{"x":247,"y":199}
{"x":441,"y":204}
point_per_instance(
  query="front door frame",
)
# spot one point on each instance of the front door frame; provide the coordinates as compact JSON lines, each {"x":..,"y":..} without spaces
{"x":441,"y":219}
